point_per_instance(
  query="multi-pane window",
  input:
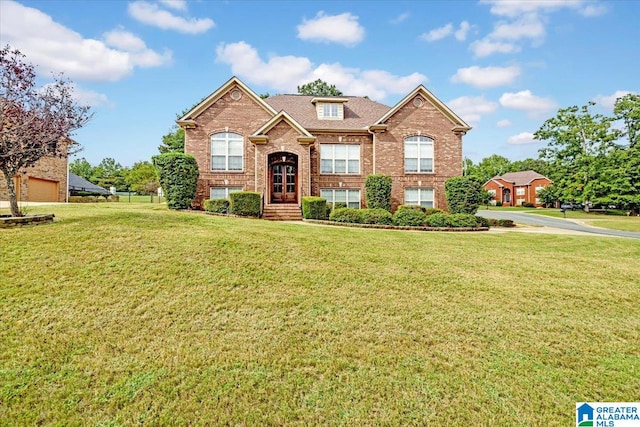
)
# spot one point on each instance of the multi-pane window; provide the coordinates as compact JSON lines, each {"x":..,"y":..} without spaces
{"x":520,"y":191}
{"x":329,"y":110}
{"x":419,"y":197}
{"x":418,"y":154}
{"x":350,"y":197}
{"x":539,"y":189}
{"x":339,"y":158}
{"x":222,"y":192}
{"x":226,"y":151}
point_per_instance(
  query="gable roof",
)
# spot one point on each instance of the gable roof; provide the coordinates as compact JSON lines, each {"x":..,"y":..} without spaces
{"x":459,"y":124}
{"x":198,"y":109}
{"x":78,"y":183}
{"x":282,"y":116}
{"x":520,"y":178}
{"x":359,"y":112}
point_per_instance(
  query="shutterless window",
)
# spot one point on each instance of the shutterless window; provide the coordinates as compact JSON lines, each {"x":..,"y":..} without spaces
{"x":418,"y":154}
{"x":419,"y":197}
{"x":339,"y":158}
{"x":330,"y":110}
{"x":520,"y":191}
{"x":226,"y":151}
{"x":222,"y":192}
{"x":350,"y":197}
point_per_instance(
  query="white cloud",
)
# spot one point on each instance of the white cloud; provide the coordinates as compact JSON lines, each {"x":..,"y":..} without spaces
{"x":56,"y":48}
{"x":342,"y":29}
{"x":471,"y":109}
{"x":595,"y":9}
{"x":438,"y":33}
{"x":609,"y":101}
{"x":529,"y":26}
{"x":400,"y":18}
{"x":486,"y":77}
{"x":462,"y":31}
{"x":486,"y":47}
{"x":504,"y":123}
{"x":528,"y":102}
{"x":285,"y":73}
{"x":175,"y":4}
{"x":512,"y":8}
{"x":522,"y":138}
{"x":151,"y":14}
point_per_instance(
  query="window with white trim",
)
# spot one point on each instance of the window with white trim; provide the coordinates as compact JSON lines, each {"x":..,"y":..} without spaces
{"x":418,"y":154}
{"x":520,"y":191}
{"x":330,"y":110}
{"x":539,"y":189}
{"x":348,"y":196}
{"x":418,"y":197}
{"x":340,"y":158}
{"x":492,"y":192}
{"x":226,"y":151}
{"x":222,"y":192}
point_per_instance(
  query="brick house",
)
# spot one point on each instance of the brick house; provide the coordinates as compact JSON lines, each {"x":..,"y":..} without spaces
{"x":46,"y":181}
{"x":514,"y":188}
{"x":289,"y":146}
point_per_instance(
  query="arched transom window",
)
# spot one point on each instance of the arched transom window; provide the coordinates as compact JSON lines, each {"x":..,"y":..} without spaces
{"x":418,"y":154}
{"x":226,"y":151}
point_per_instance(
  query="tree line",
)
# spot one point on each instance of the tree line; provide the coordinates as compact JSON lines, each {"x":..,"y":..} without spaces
{"x":141,"y":177}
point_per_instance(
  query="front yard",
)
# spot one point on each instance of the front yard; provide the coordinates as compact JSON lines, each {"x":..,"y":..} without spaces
{"x":124,"y":314}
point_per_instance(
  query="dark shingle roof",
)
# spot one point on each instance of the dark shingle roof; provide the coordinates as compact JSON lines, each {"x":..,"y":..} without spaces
{"x":78,"y":183}
{"x":520,"y":178}
{"x":359,"y":112}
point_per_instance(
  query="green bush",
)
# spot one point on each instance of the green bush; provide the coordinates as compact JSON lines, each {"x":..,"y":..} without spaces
{"x":412,"y":207}
{"x":462,"y":221}
{"x":314,"y":207}
{"x":498,"y":203}
{"x":431,"y":211}
{"x":178,"y":174}
{"x":493,"y":222}
{"x":408,"y":216}
{"x":483,"y":222}
{"x":216,"y":205}
{"x":438,"y":220}
{"x":244,"y":203}
{"x":505,"y":223}
{"x":378,"y":191}
{"x":346,"y":215}
{"x":113,"y":198}
{"x":376,"y":216}
{"x":339,"y":205}
{"x":528,"y":205}
{"x":464,"y":194}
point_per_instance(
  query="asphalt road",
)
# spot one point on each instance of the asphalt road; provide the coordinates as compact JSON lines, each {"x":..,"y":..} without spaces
{"x":546,"y":221}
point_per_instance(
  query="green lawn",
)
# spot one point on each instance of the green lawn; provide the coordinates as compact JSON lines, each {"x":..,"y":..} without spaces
{"x":614,"y":222}
{"x":126,"y":314}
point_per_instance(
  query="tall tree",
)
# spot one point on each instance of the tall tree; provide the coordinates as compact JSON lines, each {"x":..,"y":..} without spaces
{"x":577,"y":144}
{"x":538,"y":165}
{"x":109,"y":173}
{"x":143,"y":178}
{"x":489,"y":167}
{"x":173,"y":142}
{"x":34,"y":122}
{"x":81,"y":167}
{"x":319,"y":88}
{"x":627,"y":109}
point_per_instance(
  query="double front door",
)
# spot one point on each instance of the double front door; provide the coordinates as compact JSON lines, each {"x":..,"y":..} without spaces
{"x":283,"y":183}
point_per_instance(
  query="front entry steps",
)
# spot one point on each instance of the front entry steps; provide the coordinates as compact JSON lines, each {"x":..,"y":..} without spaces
{"x":282,"y":212}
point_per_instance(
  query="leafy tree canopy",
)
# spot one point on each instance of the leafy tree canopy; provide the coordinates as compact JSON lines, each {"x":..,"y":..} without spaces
{"x":319,"y":88}
{"x":173,"y":142}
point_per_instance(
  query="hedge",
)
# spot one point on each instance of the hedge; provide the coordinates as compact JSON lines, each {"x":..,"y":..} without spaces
{"x":93,"y":199}
{"x":462,"y":220}
{"x":216,"y":205}
{"x":178,"y":174}
{"x":482,"y":221}
{"x":376,"y":216}
{"x":378,"y":191}
{"x":349,"y":215}
{"x":408,"y":216}
{"x":464,"y":194}
{"x":314,"y":207}
{"x":439,"y":220}
{"x":245,"y":203}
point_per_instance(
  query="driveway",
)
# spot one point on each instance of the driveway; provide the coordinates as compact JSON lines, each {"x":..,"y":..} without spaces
{"x":559,"y":223}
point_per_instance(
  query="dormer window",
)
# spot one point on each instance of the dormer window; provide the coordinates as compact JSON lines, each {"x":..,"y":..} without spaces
{"x":330,"y":107}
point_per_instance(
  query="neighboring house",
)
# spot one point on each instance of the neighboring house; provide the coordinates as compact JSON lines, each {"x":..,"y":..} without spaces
{"x":46,"y":181}
{"x":289,"y":146}
{"x":78,"y":186}
{"x":515,"y":188}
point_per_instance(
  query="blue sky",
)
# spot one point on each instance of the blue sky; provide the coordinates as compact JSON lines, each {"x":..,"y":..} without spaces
{"x":503,"y":66}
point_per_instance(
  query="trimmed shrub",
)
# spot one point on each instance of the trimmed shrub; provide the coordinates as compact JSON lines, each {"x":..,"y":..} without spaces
{"x":376,"y":216}
{"x":413,"y":207}
{"x":314,"y":207}
{"x":483,"y":222}
{"x":113,"y":198}
{"x":346,"y":215}
{"x":178,"y":173}
{"x":438,"y":220}
{"x":528,"y":205}
{"x":431,"y":211}
{"x":498,"y":203}
{"x":409,"y":217}
{"x":378,"y":191}
{"x":505,"y":223}
{"x":244,"y":203}
{"x":493,"y":222}
{"x":216,"y":205}
{"x":464,"y":194}
{"x":462,"y":221}
{"x":339,"y":205}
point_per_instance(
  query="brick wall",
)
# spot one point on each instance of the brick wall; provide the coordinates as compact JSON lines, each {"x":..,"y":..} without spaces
{"x":49,"y":168}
